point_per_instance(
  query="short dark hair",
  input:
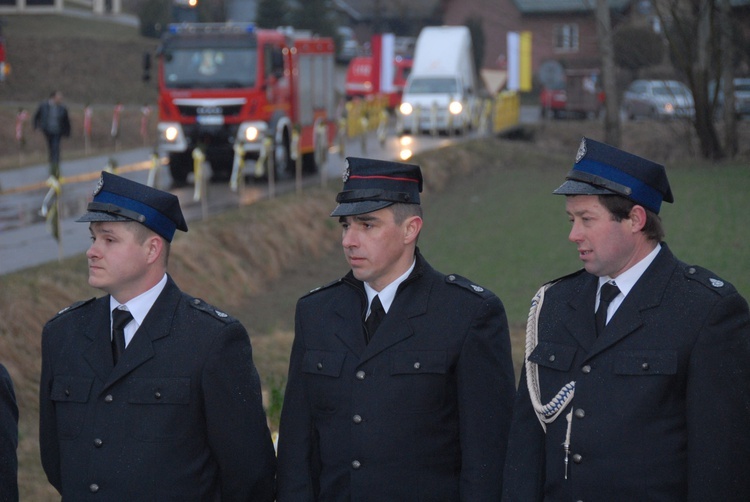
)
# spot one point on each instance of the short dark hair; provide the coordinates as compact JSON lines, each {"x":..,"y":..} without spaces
{"x":402,"y":211}
{"x":619,"y":208}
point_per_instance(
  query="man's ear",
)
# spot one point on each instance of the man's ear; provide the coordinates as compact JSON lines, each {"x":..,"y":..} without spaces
{"x":637,"y":218}
{"x":412,"y":227}
{"x":155,"y":246}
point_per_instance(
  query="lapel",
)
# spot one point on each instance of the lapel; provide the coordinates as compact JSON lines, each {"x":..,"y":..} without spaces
{"x":581,"y":322}
{"x":647,"y":293}
{"x":347,"y":327}
{"x":156,"y":325}
{"x":99,"y":352}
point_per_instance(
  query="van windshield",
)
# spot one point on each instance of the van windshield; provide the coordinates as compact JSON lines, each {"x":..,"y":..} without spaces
{"x":433,"y":85}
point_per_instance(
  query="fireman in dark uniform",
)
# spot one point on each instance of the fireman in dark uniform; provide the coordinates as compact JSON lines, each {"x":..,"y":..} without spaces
{"x":416,"y":407}
{"x":163,"y":405}
{"x":636,"y":384}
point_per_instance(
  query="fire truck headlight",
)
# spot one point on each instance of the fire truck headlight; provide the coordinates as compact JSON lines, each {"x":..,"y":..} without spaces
{"x":405,"y":108}
{"x":251,"y":133}
{"x":455,"y":107}
{"x":171,"y":133}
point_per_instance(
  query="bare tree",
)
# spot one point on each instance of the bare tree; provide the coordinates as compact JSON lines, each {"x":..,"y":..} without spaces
{"x":612,"y":132}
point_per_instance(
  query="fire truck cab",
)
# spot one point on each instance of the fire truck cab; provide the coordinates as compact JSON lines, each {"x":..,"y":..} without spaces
{"x":223,"y":86}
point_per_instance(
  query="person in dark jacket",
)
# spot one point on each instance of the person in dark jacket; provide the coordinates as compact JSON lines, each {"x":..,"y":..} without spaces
{"x":636,"y":383}
{"x":400,"y":381}
{"x":52,"y":119}
{"x":148,"y":393}
{"x":8,"y":439}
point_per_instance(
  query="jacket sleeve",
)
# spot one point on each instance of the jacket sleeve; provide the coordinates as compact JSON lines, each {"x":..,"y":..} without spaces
{"x":718,"y":405}
{"x":236,"y":424}
{"x":523,"y":477}
{"x":298,"y":453}
{"x":485,"y":399}
{"x":49,"y":445}
{"x":8,"y":437}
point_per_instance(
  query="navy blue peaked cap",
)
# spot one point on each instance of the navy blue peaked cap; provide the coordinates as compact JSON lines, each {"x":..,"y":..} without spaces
{"x":371,"y":184}
{"x":120,"y":199}
{"x":601,"y":169}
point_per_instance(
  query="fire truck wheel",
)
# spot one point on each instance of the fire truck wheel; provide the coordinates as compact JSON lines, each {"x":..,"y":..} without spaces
{"x":281,"y":158}
{"x":180,"y":165}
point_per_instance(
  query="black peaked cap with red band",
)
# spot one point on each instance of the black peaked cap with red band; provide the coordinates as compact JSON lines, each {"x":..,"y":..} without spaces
{"x":370,"y":185}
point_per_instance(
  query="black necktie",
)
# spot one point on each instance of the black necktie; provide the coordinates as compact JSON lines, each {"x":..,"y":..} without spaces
{"x":376,"y":315}
{"x":608,"y":293}
{"x":120,"y":318}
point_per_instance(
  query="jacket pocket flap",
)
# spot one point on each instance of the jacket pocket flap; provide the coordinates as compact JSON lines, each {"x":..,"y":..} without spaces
{"x":160,"y":391}
{"x":646,"y":362}
{"x":416,"y":362}
{"x":555,"y":356}
{"x":72,"y":389}
{"x":323,"y":362}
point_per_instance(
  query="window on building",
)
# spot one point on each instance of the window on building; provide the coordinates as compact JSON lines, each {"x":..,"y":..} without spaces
{"x":566,"y":37}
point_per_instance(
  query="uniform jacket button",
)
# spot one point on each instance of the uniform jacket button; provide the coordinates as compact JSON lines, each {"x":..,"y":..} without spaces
{"x":586,"y":369}
{"x":579,"y":413}
{"x":93,"y":488}
{"x":417,"y":365}
{"x":357,"y":419}
{"x":319,"y":366}
{"x":645,"y":366}
{"x":552,"y":358}
{"x":98,"y":442}
{"x":360,"y":375}
{"x":356,"y":464}
{"x":157,"y":395}
{"x":108,"y":398}
{"x":577,"y":458}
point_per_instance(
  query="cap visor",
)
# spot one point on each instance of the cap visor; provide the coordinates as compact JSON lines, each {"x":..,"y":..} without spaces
{"x":100,"y":216}
{"x":572,"y":187}
{"x":361,"y":207}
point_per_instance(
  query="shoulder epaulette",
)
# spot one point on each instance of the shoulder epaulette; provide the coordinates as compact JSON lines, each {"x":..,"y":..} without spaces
{"x":71,"y":308}
{"x":467,"y":284}
{"x":708,"y":279}
{"x":568,"y":276}
{"x":321,"y":288}
{"x":199,"y":304}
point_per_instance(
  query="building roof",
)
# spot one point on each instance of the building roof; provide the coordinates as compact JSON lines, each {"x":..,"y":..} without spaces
{"x":366,"y":10}
{"x":556,"y":6}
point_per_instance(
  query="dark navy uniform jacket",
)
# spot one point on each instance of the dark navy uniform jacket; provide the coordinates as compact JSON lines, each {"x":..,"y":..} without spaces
{"x":8,"y":439}
{"x":179,"y":418}
{"x":420,"y":413}
{"x":661,"y":410}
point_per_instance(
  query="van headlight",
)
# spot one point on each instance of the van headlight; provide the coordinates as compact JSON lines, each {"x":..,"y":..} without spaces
{"x":251,"y":134}
{"x":455,"y":107}
{"x":405,"y":108}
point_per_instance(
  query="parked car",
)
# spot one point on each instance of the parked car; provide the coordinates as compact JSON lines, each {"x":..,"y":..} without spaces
{"x":658,"y":99}
{"x":741,"y":97}
{"x":578,"y":95}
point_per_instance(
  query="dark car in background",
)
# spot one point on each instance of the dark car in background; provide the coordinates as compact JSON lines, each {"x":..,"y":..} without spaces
{"x":658,"y":99}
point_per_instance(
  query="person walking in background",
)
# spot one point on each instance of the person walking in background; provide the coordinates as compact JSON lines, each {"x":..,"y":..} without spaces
{"x":148,"y":393}
{"x":400,"y":382}
{"x":52,"y":118}
{"x":636,"y":384}
{"x":8,"y":439}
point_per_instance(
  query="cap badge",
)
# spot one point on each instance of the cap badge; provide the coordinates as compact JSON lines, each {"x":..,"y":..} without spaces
{"x":220,"y":313}
{"x":476,"y":288}
{"x":347,"y":172}
{"x":716,"y":282}
{"x":581,"y":150}
{"x":99,"y":185}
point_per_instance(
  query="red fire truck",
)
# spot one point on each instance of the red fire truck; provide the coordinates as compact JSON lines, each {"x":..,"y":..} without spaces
{"x":225,"y":85}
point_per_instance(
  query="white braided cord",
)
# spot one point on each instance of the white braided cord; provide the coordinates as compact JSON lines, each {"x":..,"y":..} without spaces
{"x":546,"y":413}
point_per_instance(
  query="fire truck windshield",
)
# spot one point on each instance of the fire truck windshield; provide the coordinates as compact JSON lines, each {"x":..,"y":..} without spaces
{"x":210,"y":67}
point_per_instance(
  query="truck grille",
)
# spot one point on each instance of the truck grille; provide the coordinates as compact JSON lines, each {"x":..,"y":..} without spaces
{"x":194,"y":111}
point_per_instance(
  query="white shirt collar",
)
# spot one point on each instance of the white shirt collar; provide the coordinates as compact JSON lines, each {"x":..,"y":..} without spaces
{"x":388,"y":293}
{"x":139,"y":307}
{"x":627,"y":279}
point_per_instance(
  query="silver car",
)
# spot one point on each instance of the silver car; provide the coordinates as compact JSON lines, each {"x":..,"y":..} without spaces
{"x":741,"y":97}
{"x":658,"y":99}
